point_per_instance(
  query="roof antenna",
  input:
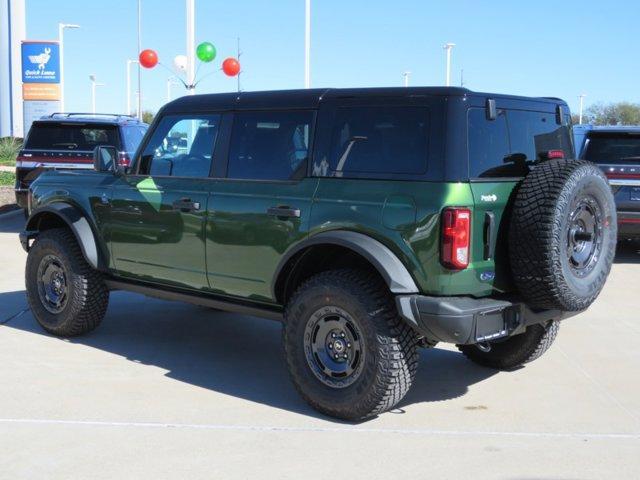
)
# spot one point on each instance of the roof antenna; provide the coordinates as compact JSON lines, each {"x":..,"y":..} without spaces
{"x":462,"y":77}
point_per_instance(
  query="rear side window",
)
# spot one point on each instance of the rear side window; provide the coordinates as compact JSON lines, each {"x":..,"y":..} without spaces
{"x":508,"y":145}
{"x":373,"y":140}
{"x":614,"y":147}
{"x":181,"y":146}
{"x":73,"y":136}
{"x":269,"y":145}
{"x":132,"y":136}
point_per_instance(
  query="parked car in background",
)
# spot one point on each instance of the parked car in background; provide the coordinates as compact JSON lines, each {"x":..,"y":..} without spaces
{"x":579,"y":133}
{"x":617,"y":151}
{"x":67,"y":140}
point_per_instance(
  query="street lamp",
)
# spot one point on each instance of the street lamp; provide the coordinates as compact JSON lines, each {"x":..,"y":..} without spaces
{"x":406,"y":77}
{"x":94,"y":84}
{"x":191,"y":40}
{"x":581,"y":97}
{"x":129,"y":63}
{"x":448,"y":47}
{"x":61,"y":27}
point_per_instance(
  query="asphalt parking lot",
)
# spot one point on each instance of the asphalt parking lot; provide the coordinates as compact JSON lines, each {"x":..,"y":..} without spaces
{"x":166,"y":390}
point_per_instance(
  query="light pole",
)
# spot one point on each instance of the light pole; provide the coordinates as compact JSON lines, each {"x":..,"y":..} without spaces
{"x":61,"y":27}
{"x":129,"y":63}
{"x":581,"y":97}
{"x":94,"y":84}
{"x":406,"y":77}
{"x":170,"y":82}
{"x":307,"y":44}
{"x":139,"y":99}
{"x":191,"y":40}
{"x":448,"y":47}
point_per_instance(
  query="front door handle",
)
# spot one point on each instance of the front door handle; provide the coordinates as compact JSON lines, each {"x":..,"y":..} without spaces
{"x":284,"y":211}
{"x":186,"y":205}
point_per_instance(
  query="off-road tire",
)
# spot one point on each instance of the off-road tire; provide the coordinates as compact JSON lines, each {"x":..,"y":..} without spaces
{"x":390,"y":345}
{"x":515,"y":351}
{"x":540,"y":227}
{"x":88,"y":295}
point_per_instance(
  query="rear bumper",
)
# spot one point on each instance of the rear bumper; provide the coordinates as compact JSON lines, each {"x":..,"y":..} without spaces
{"x":467,"y":320}
{"x":628,"y":224}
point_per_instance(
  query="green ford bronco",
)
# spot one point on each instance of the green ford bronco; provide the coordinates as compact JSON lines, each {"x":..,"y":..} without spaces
{"x":370,"y":221}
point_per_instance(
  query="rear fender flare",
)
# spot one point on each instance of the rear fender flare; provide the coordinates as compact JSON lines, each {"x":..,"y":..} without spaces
{"x":390,"y":267}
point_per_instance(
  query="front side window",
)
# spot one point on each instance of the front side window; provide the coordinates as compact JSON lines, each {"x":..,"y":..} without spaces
{"x":374,"y":140}
{"x":181,"y":146}
{"x":269,"y":145}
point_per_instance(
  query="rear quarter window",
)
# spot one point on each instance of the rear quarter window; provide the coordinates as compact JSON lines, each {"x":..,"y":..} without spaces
{"x":508,"y":145}
{"x":373,"y":140}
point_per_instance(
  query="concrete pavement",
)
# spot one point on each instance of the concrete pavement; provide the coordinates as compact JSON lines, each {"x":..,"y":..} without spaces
{"x":167,"y":390}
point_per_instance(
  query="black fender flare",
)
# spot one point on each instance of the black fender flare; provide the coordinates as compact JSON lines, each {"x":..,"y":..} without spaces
{"x":390,"y":267}
{"x":77,"y":223}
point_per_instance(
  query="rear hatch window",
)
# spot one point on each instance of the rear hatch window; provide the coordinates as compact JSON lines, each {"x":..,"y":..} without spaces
{"x":613,"y":147}
{"x":508,"y":145}
{"x":71,"y":136}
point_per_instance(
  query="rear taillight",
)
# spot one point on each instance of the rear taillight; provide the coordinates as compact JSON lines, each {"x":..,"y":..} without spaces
{"x":557,"y":154}
{"x":456,"y":234}
{"x":124,"y":160}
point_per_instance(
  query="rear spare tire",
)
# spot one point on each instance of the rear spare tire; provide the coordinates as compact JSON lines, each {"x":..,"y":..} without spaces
{"x":562,"y":235}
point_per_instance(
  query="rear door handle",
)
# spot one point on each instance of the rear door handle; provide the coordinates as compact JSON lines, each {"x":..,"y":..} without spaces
{"x":284,"y":211}
{"x":186,"y":205}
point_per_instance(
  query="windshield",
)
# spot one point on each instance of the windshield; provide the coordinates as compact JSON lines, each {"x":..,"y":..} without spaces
{"x":76,"y":136}
{"x":618,"y":147}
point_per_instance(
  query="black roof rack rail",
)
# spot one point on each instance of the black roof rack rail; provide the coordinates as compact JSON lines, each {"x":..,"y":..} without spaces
{"x":83,"y":114}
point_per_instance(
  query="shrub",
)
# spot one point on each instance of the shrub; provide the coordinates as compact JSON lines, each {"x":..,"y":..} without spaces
{"x":9,"y":147}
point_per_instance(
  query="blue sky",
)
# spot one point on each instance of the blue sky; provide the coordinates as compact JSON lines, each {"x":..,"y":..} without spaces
{"x":538,"y":48}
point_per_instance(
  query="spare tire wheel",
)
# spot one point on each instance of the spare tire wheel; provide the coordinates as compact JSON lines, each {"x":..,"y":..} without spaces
{"x":562,"y":235}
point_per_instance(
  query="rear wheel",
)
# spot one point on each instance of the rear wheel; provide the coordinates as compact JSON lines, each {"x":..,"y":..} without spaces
{"x":514,"y":351}
{"x":67,"y":297}
{"x":349,"y":354}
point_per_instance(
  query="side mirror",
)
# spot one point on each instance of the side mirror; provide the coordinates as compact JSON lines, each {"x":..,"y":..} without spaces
{"x":105,"y":159}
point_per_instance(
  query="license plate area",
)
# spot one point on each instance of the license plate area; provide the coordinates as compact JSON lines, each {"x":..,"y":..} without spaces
{"x":634,"y":194}
{"x":491,"y":325}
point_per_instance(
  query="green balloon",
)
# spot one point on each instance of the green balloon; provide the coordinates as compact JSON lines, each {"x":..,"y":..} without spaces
{"x":206,"y":52}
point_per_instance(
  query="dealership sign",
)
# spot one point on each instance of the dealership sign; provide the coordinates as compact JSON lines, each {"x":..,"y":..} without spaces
{"x":40,"y":80}
{"x":40,"y":62}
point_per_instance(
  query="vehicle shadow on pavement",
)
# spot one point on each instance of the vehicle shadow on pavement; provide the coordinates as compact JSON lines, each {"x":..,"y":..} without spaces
{"x":233,"y":354}
{"x":12,"y":222}
{"x":627,"y":252}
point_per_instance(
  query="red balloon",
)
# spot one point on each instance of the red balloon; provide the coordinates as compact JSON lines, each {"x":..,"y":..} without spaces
{"x":231,"y":67}
{"x":148,"y":58}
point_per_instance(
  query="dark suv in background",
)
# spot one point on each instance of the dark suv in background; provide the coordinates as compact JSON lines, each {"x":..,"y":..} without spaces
{"x":617,"y":151}
{"x":67,"y":141}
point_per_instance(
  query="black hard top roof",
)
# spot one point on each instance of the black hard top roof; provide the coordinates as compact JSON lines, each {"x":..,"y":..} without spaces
{"x":98,"y":118}
{"x":311,"y":98}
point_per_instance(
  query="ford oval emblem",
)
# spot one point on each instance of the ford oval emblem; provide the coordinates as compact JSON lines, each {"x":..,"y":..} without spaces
{"x":487,"y":276}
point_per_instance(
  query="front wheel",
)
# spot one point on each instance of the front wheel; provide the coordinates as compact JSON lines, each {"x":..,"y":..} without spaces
{"x":349,"y":354}
{"x":514,"y":351}
{"x":67,"y":297}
